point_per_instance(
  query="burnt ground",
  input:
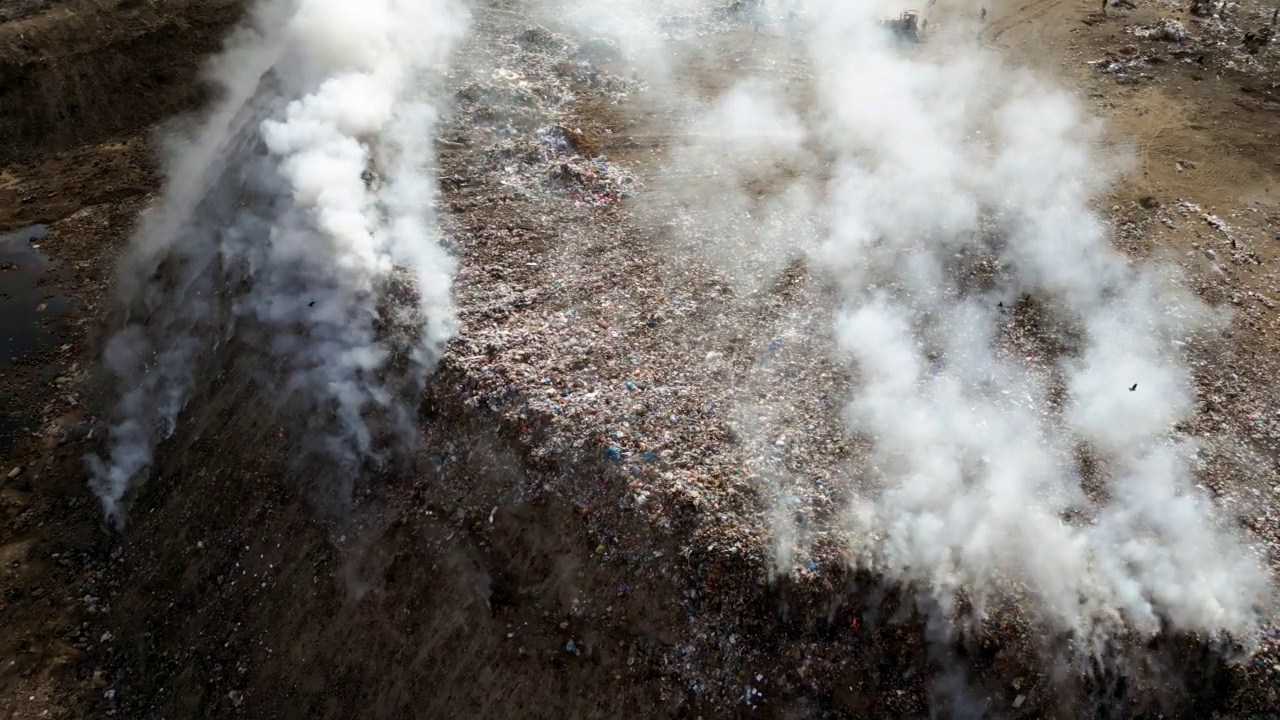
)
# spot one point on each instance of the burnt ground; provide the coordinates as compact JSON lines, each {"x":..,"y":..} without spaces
{"x":505,"y":575}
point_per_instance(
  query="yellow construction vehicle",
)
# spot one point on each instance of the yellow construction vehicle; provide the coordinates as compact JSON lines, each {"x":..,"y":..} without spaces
{"x":905,"y":27}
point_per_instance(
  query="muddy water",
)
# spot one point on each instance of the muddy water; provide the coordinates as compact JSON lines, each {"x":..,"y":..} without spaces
{"x":29,"y":302}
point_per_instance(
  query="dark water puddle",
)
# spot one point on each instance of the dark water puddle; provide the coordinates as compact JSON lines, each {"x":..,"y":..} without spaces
{"x":29,"y":301}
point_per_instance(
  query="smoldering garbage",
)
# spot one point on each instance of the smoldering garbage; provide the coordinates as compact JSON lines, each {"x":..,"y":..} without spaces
{"x":904,"y":442}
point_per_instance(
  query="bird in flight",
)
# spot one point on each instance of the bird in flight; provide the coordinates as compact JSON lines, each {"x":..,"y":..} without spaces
{"x":1133,"y":387}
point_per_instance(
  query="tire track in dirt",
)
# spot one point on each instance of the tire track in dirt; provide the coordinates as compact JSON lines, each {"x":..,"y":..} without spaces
{"x":1158,"y":130}
{"x":1026,"y":14}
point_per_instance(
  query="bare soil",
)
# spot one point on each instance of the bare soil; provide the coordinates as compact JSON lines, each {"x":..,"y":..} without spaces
{"x":466,"y":588}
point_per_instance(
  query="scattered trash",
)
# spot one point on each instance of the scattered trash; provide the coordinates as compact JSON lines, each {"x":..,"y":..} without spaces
{"x":1204,"y":8}
{"x":1215,"y":222}
{"x":1166,"y":30}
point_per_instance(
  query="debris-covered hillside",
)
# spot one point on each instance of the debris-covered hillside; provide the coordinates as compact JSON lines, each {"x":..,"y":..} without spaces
{"x":759,"y":373}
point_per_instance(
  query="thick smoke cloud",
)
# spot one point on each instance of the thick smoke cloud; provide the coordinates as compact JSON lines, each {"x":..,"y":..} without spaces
{"x":947,"y":200}
{"x":939,"y":193}
{"x":295,"y":232}
{"x":978,"y":456}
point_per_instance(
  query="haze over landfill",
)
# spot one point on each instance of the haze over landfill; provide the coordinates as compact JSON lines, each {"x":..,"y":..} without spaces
{"x":796,"y":359}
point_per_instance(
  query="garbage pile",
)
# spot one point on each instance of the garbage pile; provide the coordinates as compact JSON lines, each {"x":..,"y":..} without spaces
{"x":1234,"y":36}
{"x":685,"y":403}
{"x":520,"y":112}
{"x":584,"y":177}
{"x":579,"y":336}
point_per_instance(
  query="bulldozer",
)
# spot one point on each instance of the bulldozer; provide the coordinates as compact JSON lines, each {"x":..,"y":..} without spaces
{"x":906,"y":27}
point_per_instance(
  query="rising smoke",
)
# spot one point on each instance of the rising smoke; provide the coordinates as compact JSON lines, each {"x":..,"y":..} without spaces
{"x":935,"y":189}
{"x":946,"y":199}
{"x":295,"y":230}
{"x":978,"y":461}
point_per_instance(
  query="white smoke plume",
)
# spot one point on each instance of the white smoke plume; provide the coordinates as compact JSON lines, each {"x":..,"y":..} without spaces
{"x":295,"y":229}
{"x":978,"y":472}
{"x":934,"y":188}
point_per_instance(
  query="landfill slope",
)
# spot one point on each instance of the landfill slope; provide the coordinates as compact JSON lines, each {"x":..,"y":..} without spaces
{"x":587,"y":527}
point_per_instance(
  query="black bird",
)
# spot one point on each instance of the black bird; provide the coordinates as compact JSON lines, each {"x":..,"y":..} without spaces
{"x":311,"y":304}
{"x":1133,"y":387}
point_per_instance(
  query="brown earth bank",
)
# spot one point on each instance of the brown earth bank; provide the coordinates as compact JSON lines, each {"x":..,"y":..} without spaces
{"x":82,"y":72}
{"x":493,"y":577}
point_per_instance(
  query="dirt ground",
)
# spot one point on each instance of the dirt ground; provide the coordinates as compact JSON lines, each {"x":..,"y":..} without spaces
{"x":443,"y":592}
